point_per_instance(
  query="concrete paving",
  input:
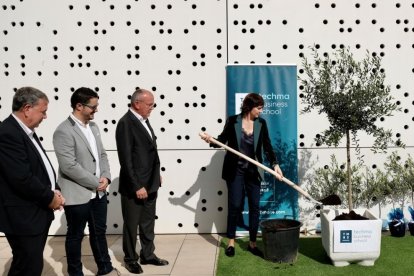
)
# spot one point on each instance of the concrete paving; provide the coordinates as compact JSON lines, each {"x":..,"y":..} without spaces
{"x":188,"y":254}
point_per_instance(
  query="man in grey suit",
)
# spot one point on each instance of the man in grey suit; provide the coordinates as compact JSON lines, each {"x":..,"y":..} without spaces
{"x":83,"y":177}
{"x":139,"y":180}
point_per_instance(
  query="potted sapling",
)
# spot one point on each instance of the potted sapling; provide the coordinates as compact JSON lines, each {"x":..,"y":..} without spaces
{"x":353,"y":96}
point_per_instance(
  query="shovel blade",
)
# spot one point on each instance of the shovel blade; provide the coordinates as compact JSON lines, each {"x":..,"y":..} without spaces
{"x":331,"y":200}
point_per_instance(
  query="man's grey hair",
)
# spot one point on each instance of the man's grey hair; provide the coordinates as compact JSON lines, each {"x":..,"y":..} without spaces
{"x":136,"y":96}
{"x":27,"y":96}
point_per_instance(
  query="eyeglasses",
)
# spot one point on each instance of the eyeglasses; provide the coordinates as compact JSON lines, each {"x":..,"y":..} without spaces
{"x":151,"y":105}
{"x":92,"y":107}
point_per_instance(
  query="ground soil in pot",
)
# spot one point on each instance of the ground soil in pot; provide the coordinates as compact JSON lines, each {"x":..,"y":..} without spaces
{"x":350,"y":216}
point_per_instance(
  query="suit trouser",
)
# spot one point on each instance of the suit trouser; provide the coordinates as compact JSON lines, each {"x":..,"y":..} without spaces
{"x":138,"y":215}
{"x":243,"y":184}
{"x":27,"y":253}
{"x":94,"y":213}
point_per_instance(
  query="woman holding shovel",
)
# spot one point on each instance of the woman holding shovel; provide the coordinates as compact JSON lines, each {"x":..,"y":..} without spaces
{"x":248,"y":134}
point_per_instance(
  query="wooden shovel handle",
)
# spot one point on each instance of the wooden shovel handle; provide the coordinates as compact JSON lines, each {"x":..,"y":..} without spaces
{"x":284,"y":179}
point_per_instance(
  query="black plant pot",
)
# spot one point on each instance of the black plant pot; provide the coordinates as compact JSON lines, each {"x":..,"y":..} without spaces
{"x":397,"y":228}
{"x":280,"y":239}
{"x":411,"y":228}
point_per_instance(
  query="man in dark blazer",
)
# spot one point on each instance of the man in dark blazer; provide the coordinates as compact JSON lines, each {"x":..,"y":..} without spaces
{"x":139,"y":180}
{"x":84,"y":175}
{"x":28,"y":189}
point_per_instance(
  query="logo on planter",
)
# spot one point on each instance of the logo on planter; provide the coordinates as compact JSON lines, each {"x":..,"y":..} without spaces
{"x":357,"y":235}
{"x":346,"y":236}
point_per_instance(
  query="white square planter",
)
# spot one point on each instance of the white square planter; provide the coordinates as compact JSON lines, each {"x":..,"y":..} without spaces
{"x":351,"y":241}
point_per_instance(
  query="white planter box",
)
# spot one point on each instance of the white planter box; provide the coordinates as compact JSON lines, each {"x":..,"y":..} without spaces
{"x":351,"y":241}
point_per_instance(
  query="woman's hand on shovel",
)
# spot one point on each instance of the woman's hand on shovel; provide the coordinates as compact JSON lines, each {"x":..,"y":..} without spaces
{"x":279,"y":174}
{"x":205,"y":136}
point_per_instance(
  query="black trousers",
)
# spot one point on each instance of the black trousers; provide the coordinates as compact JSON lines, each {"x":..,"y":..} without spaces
{"x":243,"y":184}
{"x":93,"y":213}
{"x":27,"y":253}
{"x":138,"y":215}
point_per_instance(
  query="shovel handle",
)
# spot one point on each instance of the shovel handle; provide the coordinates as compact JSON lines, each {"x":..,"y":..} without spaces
{"x":284,"y":179}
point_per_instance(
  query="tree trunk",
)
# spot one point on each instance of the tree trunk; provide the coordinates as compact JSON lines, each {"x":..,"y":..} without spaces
{"x":379,"y":210}
{"x":348,"y":170}
{"x":412,"y":197}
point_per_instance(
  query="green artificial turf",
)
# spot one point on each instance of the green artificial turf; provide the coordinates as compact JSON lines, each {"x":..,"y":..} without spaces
{"x":396,"y":258}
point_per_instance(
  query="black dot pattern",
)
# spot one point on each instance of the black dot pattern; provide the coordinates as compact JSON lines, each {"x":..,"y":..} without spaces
{"x":179,"y":49}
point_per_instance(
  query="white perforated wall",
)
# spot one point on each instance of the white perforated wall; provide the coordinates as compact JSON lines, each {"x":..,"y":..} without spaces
{"x":179,"y":49}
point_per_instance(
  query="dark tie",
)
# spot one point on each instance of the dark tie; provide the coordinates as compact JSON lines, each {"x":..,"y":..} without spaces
{"x":47,"y":157}
{"x":150,"y":128}
{"x":38,"y":141}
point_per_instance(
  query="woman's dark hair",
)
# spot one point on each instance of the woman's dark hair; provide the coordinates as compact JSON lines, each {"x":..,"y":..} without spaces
{"x":82,"y":95}
{"x":251,"y":101}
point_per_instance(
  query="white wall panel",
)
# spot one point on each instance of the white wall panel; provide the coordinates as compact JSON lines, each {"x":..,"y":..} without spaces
{"x":180,"y":50}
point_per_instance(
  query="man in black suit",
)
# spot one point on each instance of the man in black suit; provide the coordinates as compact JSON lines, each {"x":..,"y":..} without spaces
{"x":139,"y":180}
{"x":28,"y":189}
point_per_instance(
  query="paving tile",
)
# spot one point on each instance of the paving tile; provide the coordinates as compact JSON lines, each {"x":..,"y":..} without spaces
{"x":187,"y":255}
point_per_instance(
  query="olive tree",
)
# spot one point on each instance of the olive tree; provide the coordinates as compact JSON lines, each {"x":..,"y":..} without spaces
{"x":374,"y":190}
{"x":409,"y":176}
{"x":399,"y":178}
{"x":331,"y":179}
{"x":352,"y":95}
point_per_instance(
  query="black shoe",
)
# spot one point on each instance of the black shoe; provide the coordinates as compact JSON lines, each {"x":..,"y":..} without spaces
{"x":230,"y":251}
{"x":155,"y":261}
{"x":255,"y":251}
{"x":134,"y":268}
{"x":113,"y":272}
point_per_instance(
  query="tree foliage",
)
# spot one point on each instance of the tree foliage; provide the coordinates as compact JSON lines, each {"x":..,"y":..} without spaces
{"x":399,"y":179}
{"x":409,"y":176}
{"x":332,"y":179}
{"x":374,"y":190}
{"x":352,"y":95}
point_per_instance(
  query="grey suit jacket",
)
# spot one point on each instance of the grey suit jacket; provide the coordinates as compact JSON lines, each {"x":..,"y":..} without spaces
{"x":77,"y":169}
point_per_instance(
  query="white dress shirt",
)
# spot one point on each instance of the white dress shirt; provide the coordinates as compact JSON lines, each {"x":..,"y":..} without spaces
{"x":45,"y":160}
{"x":142,"y":120}
{"x":87,"y":131}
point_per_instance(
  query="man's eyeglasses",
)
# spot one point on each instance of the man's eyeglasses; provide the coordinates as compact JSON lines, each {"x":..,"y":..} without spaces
{"x":92,"y":107}
{"x":152,"y":105}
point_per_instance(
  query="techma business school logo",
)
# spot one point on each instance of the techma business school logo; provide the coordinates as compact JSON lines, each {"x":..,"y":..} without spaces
{"x":346,"y":236}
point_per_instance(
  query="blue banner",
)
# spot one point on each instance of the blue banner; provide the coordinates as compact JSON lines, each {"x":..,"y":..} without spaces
{"x":277,"y":84}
